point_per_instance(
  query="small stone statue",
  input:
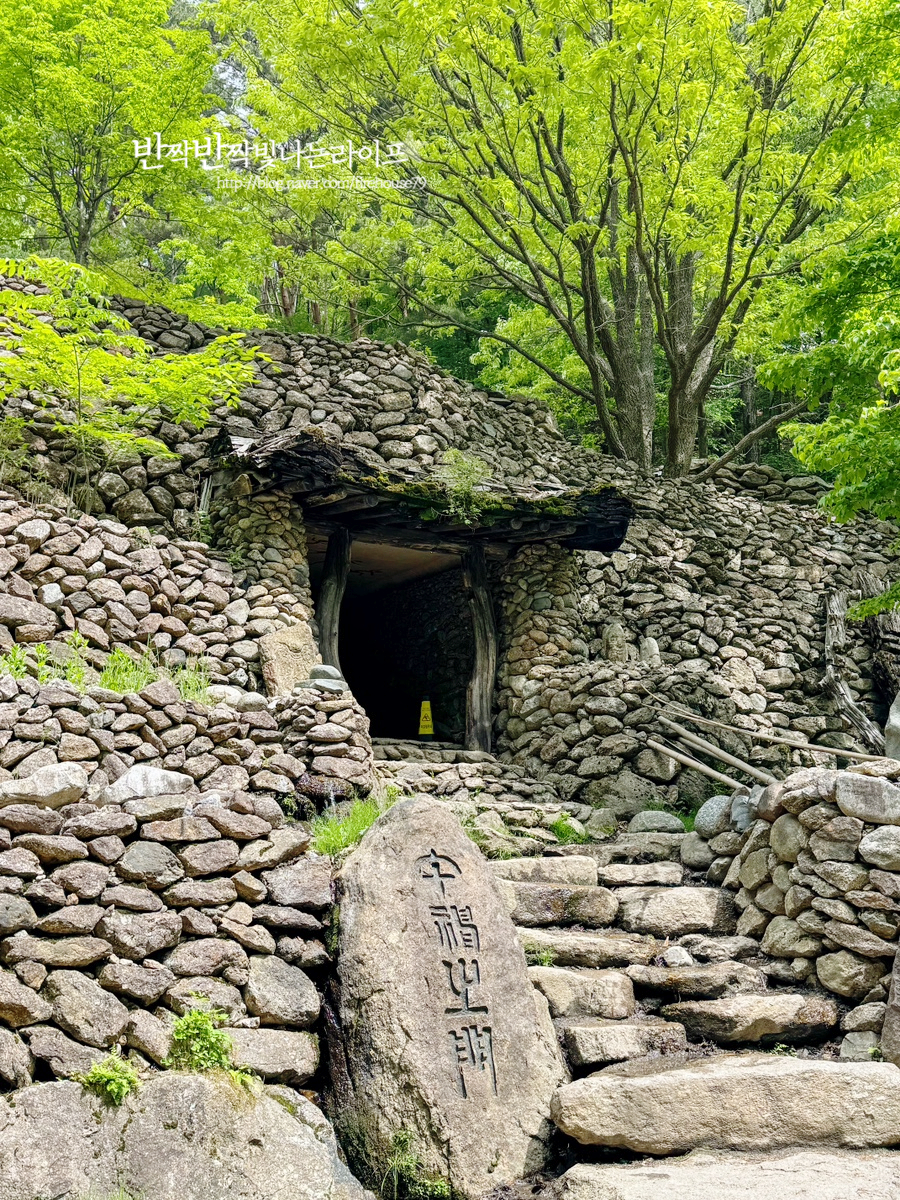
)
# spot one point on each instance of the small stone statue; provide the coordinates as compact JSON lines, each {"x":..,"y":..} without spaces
{"x":649,"y":652}
{"x":615,"y":643}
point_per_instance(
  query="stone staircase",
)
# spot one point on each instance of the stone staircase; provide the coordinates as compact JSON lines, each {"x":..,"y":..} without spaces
{"x":506,"y":811}
{"x":410,"y":750}
{"x":662,"y":1010}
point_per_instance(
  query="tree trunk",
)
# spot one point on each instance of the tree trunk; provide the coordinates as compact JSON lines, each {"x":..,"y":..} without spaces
{"x":630,"y":356}
{"x":750,"y":413}
{"x":686,"y":400}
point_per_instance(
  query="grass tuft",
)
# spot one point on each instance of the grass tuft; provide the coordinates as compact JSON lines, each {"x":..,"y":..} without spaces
{"x":567,"y":834}
{"x":332,"y":834}
{"x":122,"y":673}
{"x":405,"y":1177}
{"x":540,"y":956}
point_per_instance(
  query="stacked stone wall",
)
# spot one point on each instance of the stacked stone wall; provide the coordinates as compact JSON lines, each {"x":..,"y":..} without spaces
{"x":816,"y":876}
{"x":714,"y":601}
{"x":125,"y":906}
{"x":62,"y":574}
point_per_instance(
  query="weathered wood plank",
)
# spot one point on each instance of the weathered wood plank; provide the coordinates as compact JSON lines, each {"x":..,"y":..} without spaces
{"x":334,"y":581}
{"x":480,"y":692}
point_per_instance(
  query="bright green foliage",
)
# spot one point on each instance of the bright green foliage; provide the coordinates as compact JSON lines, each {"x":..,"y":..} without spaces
{"x":567,"y":834}
{"x":405,"y":1177}
{"x":198,"y":1042}
{"x":192,"y":681}
{"x":79,"y":81}
{"x":122,"y":673}
{"x":69,"y":663}
{"x":14,"y":662}
{"x":847,"y":322}
{"x":113,"y":1078}
{"x":638,"y":178}
{"x":13,"y":450}
{"x":102,"y":380}
{"x":462,"y":476}
{"x":332,"y":834}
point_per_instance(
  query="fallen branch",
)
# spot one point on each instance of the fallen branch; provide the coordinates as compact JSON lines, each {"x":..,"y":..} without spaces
{"x":833,"y":683}
{"x":753,"y":436}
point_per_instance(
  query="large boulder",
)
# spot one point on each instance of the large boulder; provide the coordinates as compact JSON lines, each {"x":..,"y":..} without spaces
{"x":180,"y":1137}
{"x":283,"y":1055}
{"x":671,"y":912}
{"x":84,"y":1009}
{"x":139,"y":783}
{"x":625,"y":793}
{"x":280,"y":994}
{"x":442,"y":1030}
{"x":16,"y":611}
{"x":752,"y":1102}
{"x":584,"y":993}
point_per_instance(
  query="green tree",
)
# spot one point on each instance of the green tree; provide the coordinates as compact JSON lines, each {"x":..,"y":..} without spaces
{"x":841,"y":352}
{"x":637,"y":172}
{"x":79,"y":82}
{"x":105,"y":384}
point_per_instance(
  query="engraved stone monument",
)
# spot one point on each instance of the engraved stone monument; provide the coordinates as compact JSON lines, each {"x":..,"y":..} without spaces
{"x":443,"y":1034}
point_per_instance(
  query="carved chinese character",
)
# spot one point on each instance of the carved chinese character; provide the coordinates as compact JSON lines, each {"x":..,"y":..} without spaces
{"x":455,"y":927}
{"x":439,"y":868}
{"x":474,"y":1051}
{"x":464,"y":975}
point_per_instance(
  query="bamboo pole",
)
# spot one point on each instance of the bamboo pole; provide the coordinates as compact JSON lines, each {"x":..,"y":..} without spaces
{"x":677,"y":710}
{"x":699,"y":743}
{"x":687,"y":761}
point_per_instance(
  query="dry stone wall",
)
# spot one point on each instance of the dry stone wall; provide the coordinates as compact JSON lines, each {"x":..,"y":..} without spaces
{"x":715,"y":599}
{"x":61,"y":575}
{"x":713,"y":602}
{"x":124,"y":905}
{"x":816,"y":876}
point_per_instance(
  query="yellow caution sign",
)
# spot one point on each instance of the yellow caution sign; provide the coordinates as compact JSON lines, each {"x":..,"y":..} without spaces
{"x":426,"y":725}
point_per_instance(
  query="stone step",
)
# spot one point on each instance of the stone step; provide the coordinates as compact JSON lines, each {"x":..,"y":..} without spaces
{"x":647,"y":847}
{"x":598,"y":1042}
{"x":611,"y":948}
{"x":673,"y":911}
{"x":535,"y":904}
{"x":733,"y":1102}
{"x":584,"y":992}
{"x":663,"y":874}
{"x":434,"y":752}
{"x":766,"y":1019}
{"x":415,"y":743}
{"x":576,"y":870}
{"x":701,"y":981}
{"x":794,"y":1174}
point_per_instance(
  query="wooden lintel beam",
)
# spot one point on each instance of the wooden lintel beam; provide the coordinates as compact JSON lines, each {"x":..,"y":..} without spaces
{"x":332,"y":497}
{"x":352,"y":504}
